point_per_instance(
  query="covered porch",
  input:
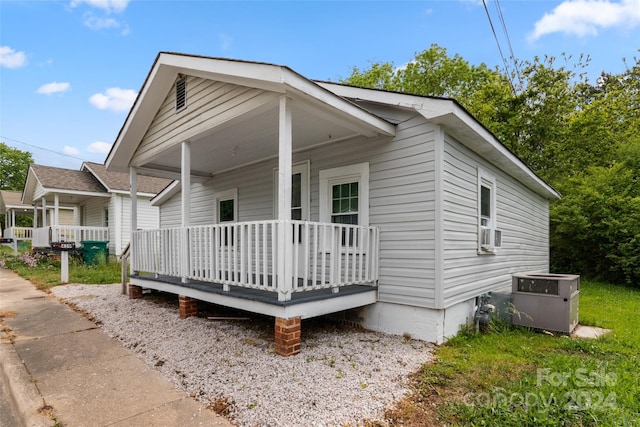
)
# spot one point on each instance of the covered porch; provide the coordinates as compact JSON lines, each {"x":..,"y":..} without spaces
{"x":198,"y":120}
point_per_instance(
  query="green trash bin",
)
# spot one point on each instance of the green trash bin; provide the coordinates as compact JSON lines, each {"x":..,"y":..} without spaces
{"x":94,"y":252}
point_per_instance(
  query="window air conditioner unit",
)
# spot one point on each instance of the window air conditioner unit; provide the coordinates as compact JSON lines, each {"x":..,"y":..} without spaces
{"x":490,"y":238}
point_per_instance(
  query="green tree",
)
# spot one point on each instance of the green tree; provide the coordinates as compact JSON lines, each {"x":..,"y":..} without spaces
{"x":580,"y":137}
{"x":596,"y":225}
{"x":14,"y":165}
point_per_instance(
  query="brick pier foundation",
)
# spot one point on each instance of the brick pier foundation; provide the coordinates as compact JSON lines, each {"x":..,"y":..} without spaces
{"x":287,"y":336}
{"x":135,"y":292}
{"x":188,"y":306}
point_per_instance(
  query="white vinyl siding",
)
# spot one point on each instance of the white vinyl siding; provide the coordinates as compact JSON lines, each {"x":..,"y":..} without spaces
{"x":119,"y":206}
{"x":401,"y":202}
{"x":415,"y":255}
{"x":120,"y":220}
{"x":522,"y":215}
{"x":93,"y":211}
{"x":210,"y":103}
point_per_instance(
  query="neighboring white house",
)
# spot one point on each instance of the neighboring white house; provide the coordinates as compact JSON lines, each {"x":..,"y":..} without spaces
{"x":12,"y":207}
{"x":298,"y":198}
{"x":87,"y":204}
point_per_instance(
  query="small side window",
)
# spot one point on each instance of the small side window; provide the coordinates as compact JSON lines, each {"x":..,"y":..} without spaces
{"x":489,"y":236}
{"x":181,"y":93}
{"x":227,"y":212}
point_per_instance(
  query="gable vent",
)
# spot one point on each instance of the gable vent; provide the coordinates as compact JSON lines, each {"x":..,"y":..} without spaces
{"x":181,"y":93}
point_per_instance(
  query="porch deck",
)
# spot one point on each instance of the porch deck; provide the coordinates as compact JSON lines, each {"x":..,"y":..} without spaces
{"x":306,"y":304}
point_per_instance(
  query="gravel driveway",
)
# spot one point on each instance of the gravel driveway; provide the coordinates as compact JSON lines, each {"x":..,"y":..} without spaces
{"x":342,"y":376}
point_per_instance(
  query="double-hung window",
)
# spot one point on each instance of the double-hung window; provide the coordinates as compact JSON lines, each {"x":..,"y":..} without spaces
{"x":226,"y":211}
{"x":344,"y":197}
{"x":489,"y":236}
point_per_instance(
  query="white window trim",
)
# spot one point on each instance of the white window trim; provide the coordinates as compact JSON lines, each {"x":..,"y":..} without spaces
{"x":329,"y":177}
{"x":221,"y":196}
{"x":303,"y":169}
{"x":487,"y":180}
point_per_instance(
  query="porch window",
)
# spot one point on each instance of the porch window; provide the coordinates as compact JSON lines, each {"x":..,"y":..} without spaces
{"x":227,"y":211}
{"x":344,"y":203}
{"x":344,"y":198}
{"x":344,"y":195}
{"x":299,"y":191}
{"x":226,"y":206}
{"x":105,"y":217}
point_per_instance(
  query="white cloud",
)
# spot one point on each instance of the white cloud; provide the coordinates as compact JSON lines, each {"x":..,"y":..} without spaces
{"x":106,"y":5}
{"x":586,"y":17}
{"x":225,"y":41}
{"x":114,"y":98}
{"x":55,"y":87}
{"x":96,"y":23}
{"x":70,"y":151}
{"x":99,"y":147}
{"x":9,"y":58}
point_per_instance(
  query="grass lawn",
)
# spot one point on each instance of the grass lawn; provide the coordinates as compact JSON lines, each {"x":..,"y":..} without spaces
{"x":44,"y":272}
{"x":513,"y":376}
{"x":510,"y":376}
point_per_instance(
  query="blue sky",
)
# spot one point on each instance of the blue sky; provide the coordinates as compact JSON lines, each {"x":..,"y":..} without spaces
{"x":70,"y":70}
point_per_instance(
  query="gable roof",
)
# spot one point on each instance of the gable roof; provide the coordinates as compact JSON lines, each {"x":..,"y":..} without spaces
{"x":11,"y":199}
{"x":119,"y":182}
{"x":275,"y":79}
{"x":318,"y":104}
{"x":66,"y":179}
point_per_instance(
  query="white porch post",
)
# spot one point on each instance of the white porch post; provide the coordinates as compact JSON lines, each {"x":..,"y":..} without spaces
{"x":285,"y":245}
{"x":13,"y":218}
{"x":35,"y":215}
{"x":56,"y":209}
{"x":44,"y":213}
{"x":133,"y":194}
{"x":185,"y":178}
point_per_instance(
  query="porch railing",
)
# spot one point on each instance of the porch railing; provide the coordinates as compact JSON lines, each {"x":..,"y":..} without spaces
{"x":19,"y":233}
{"x":246,"y":254}
{"x":43,"y":236}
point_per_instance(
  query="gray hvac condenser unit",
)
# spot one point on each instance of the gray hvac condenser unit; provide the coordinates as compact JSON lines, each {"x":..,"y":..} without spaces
{"x":546,"y":301}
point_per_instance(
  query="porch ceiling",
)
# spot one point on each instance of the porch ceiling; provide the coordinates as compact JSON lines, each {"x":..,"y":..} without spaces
{"x":252,"y":137}
{"x":248,"y":131}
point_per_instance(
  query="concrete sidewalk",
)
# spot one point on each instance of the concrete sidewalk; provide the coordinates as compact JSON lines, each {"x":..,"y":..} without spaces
{"x":60,"y":368}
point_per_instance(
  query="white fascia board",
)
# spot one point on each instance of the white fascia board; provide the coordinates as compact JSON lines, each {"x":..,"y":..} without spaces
{"x":127,"y":193}
{"x":149,"y":99}
{"x":29,"y":188}
{"x":318,"y":93}
{"x":477,"y":138}
{"x":168,"y":192}
{"x":394,"y":99}
{"x":51,"y":191}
